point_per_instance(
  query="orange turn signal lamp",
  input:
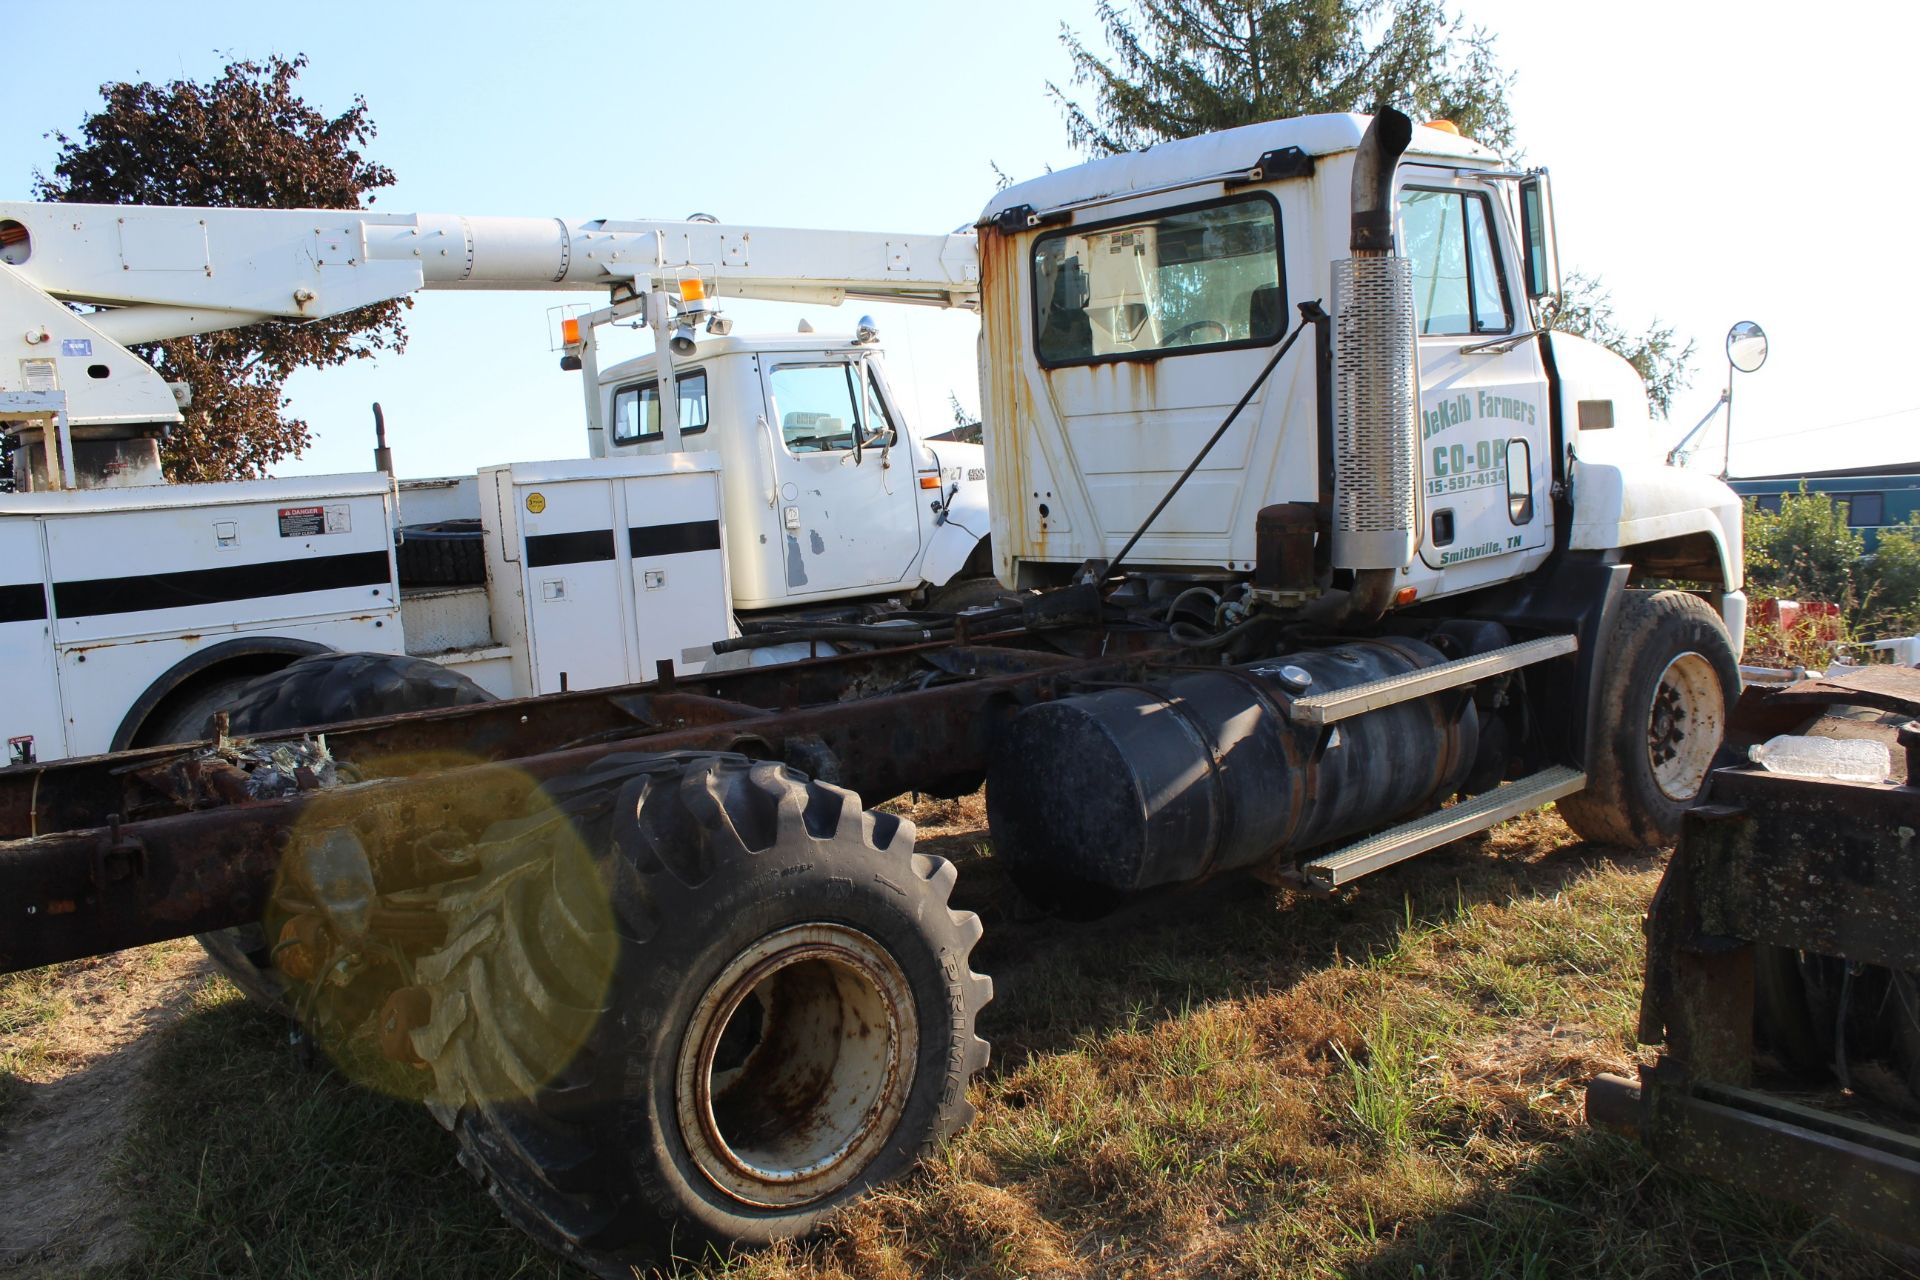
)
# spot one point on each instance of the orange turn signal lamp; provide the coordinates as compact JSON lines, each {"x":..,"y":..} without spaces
{"x":929,"y":482}
{"x":1406,"y":595}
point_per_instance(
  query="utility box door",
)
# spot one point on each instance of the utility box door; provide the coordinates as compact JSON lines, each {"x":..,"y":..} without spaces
{"x":601,"y":568}
{"x":30,"y":713}
{"x":216,"y":565}
{"x":678,"y":569}
{"x":576,"y":625}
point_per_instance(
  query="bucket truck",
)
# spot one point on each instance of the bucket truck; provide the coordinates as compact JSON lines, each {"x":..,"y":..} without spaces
{"x":782,"y":478}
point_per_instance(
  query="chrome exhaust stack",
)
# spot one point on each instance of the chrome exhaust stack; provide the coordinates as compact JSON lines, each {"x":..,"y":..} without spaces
{"x":1376,"y":397}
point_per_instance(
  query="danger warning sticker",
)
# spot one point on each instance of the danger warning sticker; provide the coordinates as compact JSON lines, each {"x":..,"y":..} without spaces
{"x":308,"y":522}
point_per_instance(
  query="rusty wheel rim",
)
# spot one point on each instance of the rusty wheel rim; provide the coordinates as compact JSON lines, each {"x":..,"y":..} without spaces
{"x":1684,"y":726}
{"x":796,"y":1065}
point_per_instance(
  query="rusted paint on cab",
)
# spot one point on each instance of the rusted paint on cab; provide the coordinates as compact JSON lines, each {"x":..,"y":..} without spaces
{"x":1002,"y":410}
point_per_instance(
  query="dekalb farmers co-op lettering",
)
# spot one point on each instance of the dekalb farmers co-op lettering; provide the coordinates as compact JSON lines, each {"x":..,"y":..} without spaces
{"x":1471,"y":464}
{"x":1451,"y":413}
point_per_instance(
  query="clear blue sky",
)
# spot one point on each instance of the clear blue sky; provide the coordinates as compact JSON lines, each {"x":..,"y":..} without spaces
{"x":1711,"y":163}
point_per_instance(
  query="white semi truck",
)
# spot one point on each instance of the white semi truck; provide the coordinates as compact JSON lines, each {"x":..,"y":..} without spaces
{"x":782,"y":478}
{"x":1333,"y":551}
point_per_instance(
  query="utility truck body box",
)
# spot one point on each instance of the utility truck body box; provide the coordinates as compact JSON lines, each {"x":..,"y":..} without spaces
{"x":108,"y":591}
{"x":601,"y":569}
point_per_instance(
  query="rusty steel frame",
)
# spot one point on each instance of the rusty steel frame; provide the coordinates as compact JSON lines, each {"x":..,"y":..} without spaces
{"x":1813,"y":866}
{"x":185,"y":852}
{"x":64,"y":794}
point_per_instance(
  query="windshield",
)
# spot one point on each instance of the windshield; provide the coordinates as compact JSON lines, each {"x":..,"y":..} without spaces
{"x":1187,"y":280}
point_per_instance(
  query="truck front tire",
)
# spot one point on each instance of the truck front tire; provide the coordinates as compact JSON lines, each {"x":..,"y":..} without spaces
{"x":699,"y":1000}
{"x":1668,"y":678}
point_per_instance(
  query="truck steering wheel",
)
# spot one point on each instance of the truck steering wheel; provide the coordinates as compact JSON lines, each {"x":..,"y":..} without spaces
{"x":1184,"y":335}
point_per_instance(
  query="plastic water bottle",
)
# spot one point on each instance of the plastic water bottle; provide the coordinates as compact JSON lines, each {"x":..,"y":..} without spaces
{"x":1837,"y":759}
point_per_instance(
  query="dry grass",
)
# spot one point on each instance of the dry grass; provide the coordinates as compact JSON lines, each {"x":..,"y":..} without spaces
{"x":1227,"y":1082}
{"x":75,"y":1043}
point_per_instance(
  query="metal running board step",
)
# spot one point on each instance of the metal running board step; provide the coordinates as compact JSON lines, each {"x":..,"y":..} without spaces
{"x":1397,"y":844}
{"x":1321,"y":709}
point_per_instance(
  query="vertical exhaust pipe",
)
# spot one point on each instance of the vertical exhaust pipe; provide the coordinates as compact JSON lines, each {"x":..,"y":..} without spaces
{"x":1376,"y":398}
{"x":382,"y":456}
{"x":1374,"y":165}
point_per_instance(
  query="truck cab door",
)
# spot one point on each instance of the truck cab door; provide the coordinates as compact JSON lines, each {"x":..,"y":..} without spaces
{"x":1484,"y":429}
{"x":848,"y":514}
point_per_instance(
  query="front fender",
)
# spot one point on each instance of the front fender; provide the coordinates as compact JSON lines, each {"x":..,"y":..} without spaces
{"x":1619,"y":506}
{"x":963,"y":519}
{"x":956,"y":536}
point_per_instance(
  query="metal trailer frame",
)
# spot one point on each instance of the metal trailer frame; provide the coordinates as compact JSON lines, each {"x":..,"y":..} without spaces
{"x":190,"y":844}
{"x":186,"y":849}
{"x":1770,"y":860}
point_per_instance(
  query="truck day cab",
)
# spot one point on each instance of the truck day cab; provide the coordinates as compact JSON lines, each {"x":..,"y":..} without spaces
{"x":1319,"y":529}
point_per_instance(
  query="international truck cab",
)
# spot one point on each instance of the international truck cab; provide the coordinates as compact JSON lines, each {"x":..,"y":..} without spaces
{"x":831,"y":491}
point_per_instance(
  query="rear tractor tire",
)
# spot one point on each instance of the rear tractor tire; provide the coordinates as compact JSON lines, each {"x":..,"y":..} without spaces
{"x":321,"y":689}
{"x":1671,"y":679}
{"x":700,"y":1000}
{"x":327,"y":688}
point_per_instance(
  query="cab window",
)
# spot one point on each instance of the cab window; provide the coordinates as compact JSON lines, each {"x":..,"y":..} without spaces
{"x":1458,"y":287}
{"x":817,"y":407}
{"x":1195,"y":279}
{"x":636,"y":409}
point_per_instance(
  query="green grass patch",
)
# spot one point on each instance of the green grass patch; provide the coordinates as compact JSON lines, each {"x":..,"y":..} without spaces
{"x":244,"y":1162}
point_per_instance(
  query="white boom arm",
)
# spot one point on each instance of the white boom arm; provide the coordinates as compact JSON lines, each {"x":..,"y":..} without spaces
{"x":169,"y":272}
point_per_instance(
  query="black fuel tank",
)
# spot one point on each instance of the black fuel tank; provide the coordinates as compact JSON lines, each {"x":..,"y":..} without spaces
{"x":1124,"y":788}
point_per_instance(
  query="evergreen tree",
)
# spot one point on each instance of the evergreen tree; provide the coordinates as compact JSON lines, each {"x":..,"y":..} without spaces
{"x":1185,"y":67}
{"x":245,"y":140}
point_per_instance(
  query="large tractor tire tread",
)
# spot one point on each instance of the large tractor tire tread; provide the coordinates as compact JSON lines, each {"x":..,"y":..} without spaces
{"x":320,"y":689}
{"x":644,"y":881}
{"x":1667,"y":657}
{"x":328,"y":688}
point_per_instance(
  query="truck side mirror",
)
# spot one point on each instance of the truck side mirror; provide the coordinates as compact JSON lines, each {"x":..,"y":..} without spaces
{"x":1536,"y":236}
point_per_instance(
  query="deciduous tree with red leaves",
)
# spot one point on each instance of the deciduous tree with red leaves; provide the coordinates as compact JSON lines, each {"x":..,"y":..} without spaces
{"x":246,"y":139}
